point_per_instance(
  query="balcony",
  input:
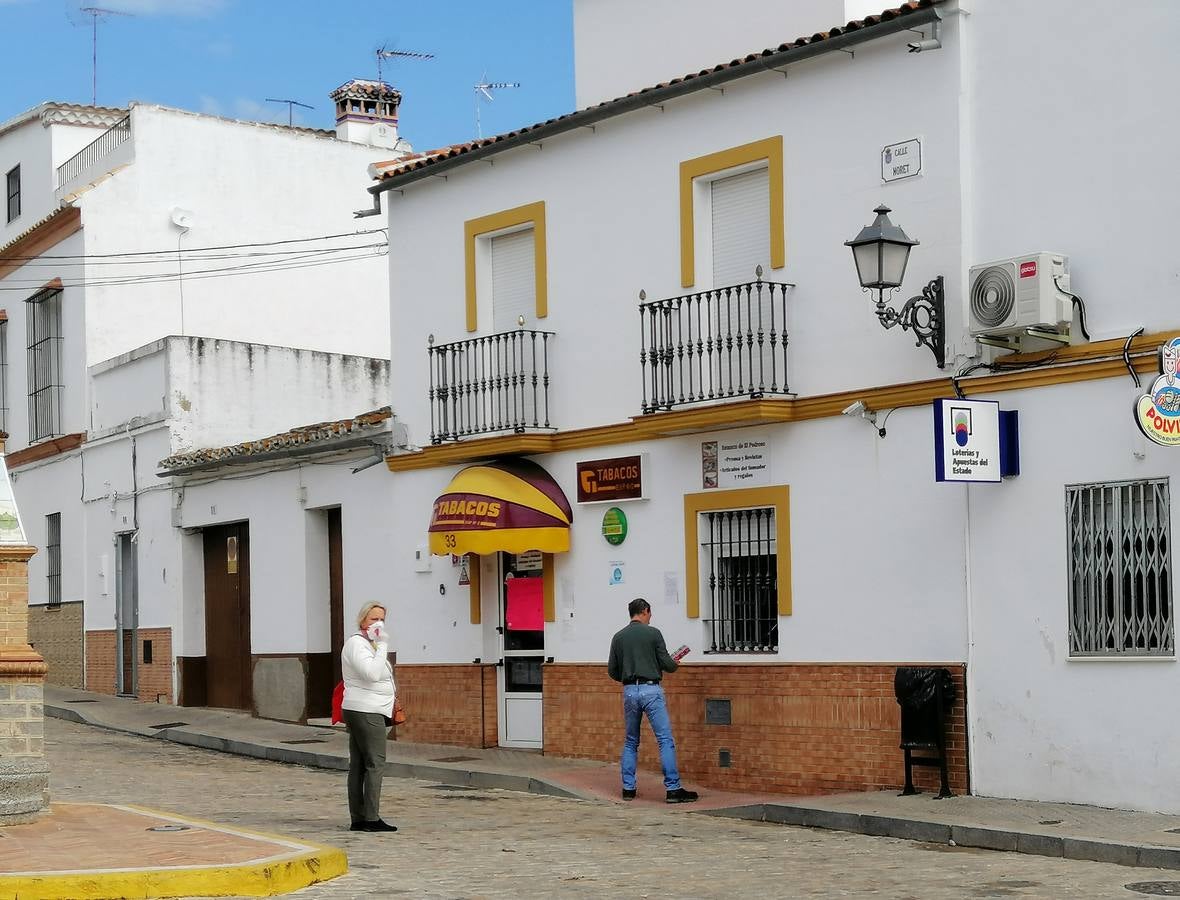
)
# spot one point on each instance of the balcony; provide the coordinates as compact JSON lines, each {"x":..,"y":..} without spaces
{"x":488,"y":385}
{"x":723,"y":344}
{"x":100,"y":148}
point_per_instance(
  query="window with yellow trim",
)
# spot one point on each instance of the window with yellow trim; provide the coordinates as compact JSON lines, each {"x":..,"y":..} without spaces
{"x":737,"y":558}
{"x":506,"y":270}
{"x":732,"y":214}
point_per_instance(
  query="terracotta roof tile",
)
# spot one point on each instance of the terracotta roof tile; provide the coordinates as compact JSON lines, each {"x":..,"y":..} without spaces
{"x":431,"y":157}
{"x":296,"y":437}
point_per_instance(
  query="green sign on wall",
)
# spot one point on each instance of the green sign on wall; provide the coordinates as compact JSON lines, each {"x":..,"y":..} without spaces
{"x":614,"y":526}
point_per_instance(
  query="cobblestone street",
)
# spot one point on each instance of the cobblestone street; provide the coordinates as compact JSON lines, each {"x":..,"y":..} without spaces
{"x":468,"y":843}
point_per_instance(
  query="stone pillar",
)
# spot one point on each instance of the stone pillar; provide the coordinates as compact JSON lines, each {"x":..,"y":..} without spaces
{"x":24,"y":772}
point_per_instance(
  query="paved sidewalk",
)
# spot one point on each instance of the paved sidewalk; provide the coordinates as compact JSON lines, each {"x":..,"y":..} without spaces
{"x":93,"y":850}
{"x":1049,"y":829}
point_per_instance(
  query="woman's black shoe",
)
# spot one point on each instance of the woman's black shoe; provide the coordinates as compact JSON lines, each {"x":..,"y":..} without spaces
{"x":379,"y":825}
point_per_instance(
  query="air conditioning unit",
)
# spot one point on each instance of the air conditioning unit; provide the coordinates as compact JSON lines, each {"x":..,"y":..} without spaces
{"x":1010,"y":296}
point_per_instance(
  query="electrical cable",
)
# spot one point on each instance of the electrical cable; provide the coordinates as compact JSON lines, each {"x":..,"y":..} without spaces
{"x":1078,"y":303}
{"x":276,"y":243}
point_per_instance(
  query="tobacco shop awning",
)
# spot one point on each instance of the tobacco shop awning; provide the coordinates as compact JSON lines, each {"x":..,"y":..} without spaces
{"x":511,"y":505}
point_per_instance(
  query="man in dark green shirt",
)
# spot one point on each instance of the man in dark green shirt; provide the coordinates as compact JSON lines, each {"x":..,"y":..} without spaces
{"x":638,"y":659}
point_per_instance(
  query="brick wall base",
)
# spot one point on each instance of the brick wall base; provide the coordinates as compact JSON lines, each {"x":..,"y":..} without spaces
{"x":796,"y":728}
{"x":155,"y":678}
{"x":448,"y":704}
{"x":56,"y":633}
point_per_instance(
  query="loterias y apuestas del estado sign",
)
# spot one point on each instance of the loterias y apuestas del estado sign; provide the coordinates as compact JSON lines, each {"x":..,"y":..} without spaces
{"x":620,"y":478}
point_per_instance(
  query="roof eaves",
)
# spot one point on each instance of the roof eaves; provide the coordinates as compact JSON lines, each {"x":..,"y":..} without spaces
{"x":891,"y":21}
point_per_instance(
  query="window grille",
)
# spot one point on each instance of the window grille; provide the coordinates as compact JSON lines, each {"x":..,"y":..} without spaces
{"x":1120,"y":569}
{"x":53,"y":557}
{"x":4,"y":375}
{"x":43,"y":317}
{"x":12,"y":190}
{"x":741,"y":562}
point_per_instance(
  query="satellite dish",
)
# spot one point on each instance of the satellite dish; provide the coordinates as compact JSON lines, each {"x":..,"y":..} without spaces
{"x":182,"y":218}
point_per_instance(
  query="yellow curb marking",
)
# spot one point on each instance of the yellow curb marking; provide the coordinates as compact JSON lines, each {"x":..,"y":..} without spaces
{"x":305,"y":864}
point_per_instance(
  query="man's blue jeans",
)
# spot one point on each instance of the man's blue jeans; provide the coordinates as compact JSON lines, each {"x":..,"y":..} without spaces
{"x":641,"y":700}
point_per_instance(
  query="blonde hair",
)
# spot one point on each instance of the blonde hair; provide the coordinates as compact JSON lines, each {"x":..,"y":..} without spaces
{"x":366,"y":609}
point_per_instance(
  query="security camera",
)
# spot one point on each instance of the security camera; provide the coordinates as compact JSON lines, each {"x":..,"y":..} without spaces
{"x":928,"y":44}
{"x":855,"y":409}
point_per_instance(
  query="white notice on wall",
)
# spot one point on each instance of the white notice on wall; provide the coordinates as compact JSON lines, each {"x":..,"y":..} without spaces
{"x":744,"y":462}
{"x":671,"y":589}
{"x":616,"y":573}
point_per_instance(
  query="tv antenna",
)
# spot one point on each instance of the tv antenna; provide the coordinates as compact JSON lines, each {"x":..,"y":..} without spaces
{"x":96,"y":13}
{"x":291,"y":104}
{"x":483,"y":90}
{"x":384,"y":52}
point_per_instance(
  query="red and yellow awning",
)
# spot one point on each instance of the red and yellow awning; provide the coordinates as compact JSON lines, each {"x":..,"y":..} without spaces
{"x":511,"y":505}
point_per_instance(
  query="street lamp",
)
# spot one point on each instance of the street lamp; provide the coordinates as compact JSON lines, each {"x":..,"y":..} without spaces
{"x":881,"y":252}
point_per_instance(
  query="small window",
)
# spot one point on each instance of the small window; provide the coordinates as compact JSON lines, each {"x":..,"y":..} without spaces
{"x":740,"y":561}
{"x":12,"y":189}
{"x":1120,"y":569}
{"x":53,"y":557}
{"x":43,"y":318}
{"x":4,"y":375}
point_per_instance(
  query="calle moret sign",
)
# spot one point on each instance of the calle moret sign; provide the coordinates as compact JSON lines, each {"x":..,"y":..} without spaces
{"x":620,"y":478}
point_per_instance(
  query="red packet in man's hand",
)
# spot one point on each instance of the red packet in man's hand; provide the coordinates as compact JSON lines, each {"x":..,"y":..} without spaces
{"x":681,"y":652}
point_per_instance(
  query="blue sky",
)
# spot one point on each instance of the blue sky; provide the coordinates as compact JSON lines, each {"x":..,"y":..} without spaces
{"x":227,"y":56}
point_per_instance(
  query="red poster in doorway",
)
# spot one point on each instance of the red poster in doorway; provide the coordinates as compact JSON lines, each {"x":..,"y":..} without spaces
{"x":525,"y":604}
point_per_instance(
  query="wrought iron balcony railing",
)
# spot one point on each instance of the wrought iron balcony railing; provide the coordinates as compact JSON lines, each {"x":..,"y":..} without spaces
{"x":725,"y":343}
{"x":113,"y":137}
{"x":489,"y":384}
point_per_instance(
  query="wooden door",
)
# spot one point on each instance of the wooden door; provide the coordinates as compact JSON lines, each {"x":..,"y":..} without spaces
{"x":336,"y":589}
{"x":227,"y":616}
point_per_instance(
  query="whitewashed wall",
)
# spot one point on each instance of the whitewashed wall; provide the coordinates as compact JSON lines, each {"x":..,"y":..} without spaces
{"x":665,"y":39}
{"x":877,"y":559}
{"x":27,"y":145}
{"x":612,"y":204}
{"x":289,"y":609}
{"x":1077,"y":158}
{"x":42,"y":489}
{"x":17,"y":287}
{"x":242,"y":182}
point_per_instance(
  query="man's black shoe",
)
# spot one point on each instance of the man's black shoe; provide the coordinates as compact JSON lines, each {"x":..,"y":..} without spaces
{"x":357,"y":826}
{"x":680,"y":795}
{"x":628,"y":794}
{"x":381,"y":825}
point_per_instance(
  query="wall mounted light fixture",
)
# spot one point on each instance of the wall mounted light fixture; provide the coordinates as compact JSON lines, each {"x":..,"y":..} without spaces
{"x":881,"y":252}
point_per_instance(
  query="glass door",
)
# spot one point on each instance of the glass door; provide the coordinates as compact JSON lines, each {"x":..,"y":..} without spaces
{"x":522,"y":630}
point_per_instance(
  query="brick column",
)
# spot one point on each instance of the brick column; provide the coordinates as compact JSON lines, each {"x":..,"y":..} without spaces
{"x":24,"y":772}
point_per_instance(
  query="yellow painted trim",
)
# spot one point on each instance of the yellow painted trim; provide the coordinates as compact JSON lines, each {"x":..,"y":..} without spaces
{"x":1085,"y":362}
{"x":548,"y":588}
{"x":769,"y":149}
{"x":778,"y":496}
{"x":258,"y":879}
{"x":474,"y":563}
{"x":529,"y":213}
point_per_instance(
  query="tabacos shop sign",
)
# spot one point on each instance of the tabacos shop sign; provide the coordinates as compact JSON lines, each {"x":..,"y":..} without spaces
{"x":1157,"y":413}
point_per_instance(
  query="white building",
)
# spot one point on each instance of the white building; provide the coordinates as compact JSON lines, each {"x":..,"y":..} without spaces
{"x":170,"y":289}
{"x":850,"y":559}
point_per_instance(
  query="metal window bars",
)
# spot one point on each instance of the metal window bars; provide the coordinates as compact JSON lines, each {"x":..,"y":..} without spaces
{"x":1120,"y":571}
{"x":497,"y":383}
{"x":113,"y":137}
{"x":714,"y":345}
{"x":53,"y":557}
{"x":742,"y":558}
{"x":44,"y":329}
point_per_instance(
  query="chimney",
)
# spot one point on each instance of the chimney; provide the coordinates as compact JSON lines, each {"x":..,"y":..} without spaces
{"x":366,"y":113}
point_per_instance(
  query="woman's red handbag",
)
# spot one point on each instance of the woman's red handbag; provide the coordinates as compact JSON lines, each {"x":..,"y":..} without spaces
{"x":338,"y":704}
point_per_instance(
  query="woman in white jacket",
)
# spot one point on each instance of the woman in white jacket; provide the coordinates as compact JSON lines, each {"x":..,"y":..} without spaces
{"x":369,"y":693}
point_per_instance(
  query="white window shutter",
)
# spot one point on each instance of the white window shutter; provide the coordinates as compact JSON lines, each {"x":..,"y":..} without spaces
{"x":514,"y":284}
{"x":741,"y":227}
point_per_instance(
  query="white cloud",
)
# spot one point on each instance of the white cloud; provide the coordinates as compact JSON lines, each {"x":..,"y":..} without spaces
{"x":166,"y":7}
{"x":210,"y":106}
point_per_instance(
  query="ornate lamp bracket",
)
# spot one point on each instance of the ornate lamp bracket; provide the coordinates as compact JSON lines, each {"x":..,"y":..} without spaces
{"x":924,"y":315}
